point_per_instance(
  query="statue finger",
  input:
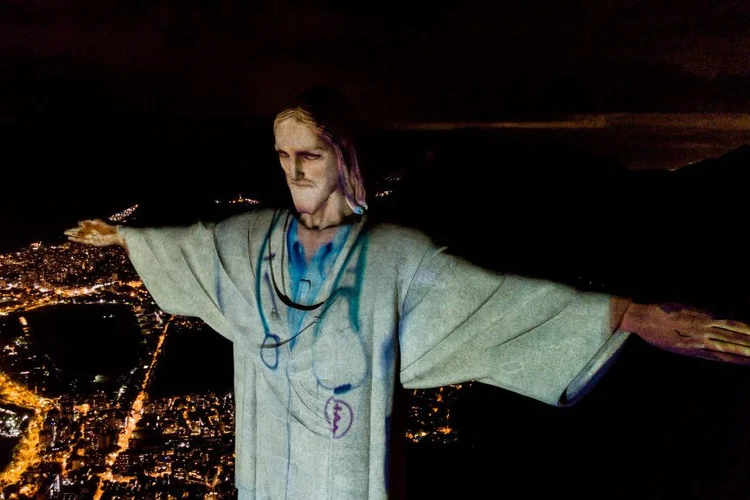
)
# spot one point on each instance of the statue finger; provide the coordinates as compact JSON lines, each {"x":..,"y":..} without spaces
{"x":728,"y":346}
{"x":731,"y":325}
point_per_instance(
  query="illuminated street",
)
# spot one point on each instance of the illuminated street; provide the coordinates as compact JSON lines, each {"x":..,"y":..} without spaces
{"x":134,"y":416}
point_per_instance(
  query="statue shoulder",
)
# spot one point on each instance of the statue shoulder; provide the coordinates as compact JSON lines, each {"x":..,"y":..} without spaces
{"x":399,"y":239}
{"x":244,"y":224}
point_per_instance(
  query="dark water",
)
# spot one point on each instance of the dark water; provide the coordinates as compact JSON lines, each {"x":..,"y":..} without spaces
{"x":82,"y":341}
{"x":196,"y":360}
{"x":6,"y":451}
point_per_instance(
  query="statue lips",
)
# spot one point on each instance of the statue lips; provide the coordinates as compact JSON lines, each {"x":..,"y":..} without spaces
{"x":298,"y":184}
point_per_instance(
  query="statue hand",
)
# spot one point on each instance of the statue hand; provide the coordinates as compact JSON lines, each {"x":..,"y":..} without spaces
{"x":96,"y":233}
{"x":690,"y":332}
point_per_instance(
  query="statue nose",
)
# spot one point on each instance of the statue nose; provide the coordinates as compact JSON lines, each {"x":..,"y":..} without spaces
{"x":298,"y":172}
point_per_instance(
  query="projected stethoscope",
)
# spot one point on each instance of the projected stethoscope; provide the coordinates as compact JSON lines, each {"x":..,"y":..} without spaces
{"x":328,"y":344}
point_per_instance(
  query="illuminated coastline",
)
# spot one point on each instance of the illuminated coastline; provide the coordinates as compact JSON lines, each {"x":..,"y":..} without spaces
{"x":27,"y":450}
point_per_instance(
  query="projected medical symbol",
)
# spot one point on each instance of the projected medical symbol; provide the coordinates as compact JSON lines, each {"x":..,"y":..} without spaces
{"x":339,"y":415}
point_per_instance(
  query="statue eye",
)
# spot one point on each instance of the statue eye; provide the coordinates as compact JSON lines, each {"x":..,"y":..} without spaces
{"x":311,"y":156}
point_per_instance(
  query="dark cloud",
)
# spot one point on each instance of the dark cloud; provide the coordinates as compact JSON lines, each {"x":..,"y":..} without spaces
{"x":237,"y":57}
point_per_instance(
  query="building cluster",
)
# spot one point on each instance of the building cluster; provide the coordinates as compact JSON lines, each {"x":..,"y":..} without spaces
{"x":240,"y":200}
{"x":126,"y":215}
{"x":430,"y":415}
{"x":182,"y":446}
{"x":12,"y":421}
{"x":40,"y":275}
{"x":76,"y":444}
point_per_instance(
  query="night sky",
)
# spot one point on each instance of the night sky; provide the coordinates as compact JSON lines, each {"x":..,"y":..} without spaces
{"x":105,"y":102}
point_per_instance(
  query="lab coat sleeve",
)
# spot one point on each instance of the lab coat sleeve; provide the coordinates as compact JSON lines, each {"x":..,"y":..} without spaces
{"x":459,"y":322}
{"x":181,"y":268}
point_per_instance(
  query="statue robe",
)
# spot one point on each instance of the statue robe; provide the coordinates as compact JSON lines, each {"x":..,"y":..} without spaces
{"x":313,"y":406}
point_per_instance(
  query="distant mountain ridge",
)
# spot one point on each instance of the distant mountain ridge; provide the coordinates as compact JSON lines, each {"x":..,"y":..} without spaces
{"x":704,"y":224}
{"x":562,"y":214}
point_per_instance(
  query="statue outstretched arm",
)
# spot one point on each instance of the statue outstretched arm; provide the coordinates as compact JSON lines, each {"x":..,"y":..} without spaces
{"x":97,"y":233}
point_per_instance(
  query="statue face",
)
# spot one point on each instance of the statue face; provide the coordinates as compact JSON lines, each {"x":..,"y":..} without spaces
{"x":309,"y":163}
